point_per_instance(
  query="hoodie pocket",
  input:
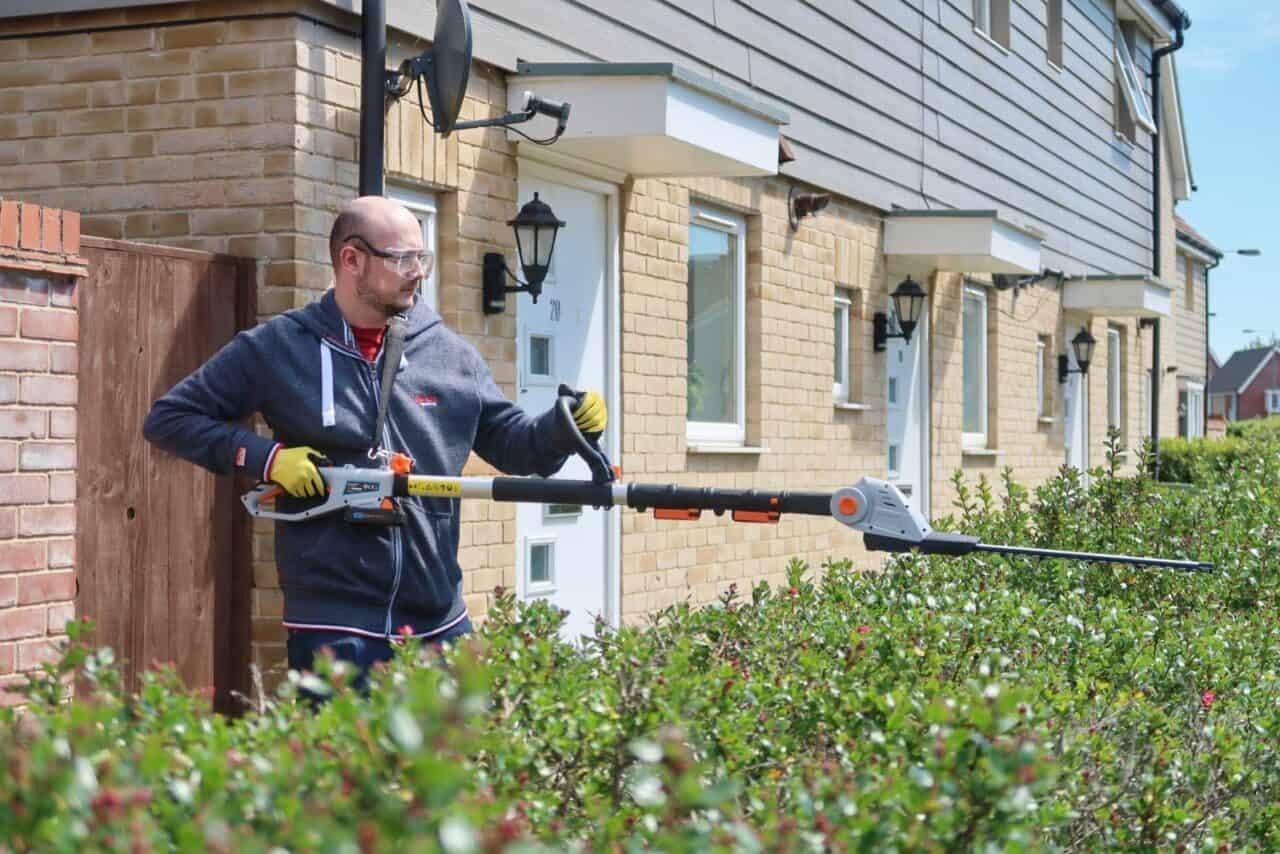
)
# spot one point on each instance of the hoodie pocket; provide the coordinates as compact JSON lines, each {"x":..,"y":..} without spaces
{"x":430,"y":574}
{"x":335,"y":559}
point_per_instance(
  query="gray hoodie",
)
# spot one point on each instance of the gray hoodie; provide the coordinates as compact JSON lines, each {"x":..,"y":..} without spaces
{"x":302,"y":371}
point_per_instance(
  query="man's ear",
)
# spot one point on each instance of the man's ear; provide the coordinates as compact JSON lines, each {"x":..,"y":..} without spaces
{"x":350,"y":258}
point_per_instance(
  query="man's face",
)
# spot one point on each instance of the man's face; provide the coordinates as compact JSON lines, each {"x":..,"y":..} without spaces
{"x":377,"y":283}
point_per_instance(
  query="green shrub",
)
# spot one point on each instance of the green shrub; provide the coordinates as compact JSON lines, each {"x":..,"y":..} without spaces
{"x":1199,"y":460}
{"x":1256,"y":428}
{"x":976,"y":703}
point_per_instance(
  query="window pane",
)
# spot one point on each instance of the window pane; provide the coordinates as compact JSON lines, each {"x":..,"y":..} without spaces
{"x":712,"y":313}
{"x":1040,"y":407}
{"x":982,"y":15}
{"x":1055,"y":32}
{"x":838,"y":319}
{"x":540,"y":563}
{"x":975,"y":367}
{"x":540,"y":355}
{"x":1113,"y":378}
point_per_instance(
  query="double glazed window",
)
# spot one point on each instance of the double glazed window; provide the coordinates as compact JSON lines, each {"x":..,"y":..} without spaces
{"x":1115,"y":358}
{"x":1053,"y":46}
{"x":717,"y":327}
{"x":840,"y":319}
{"x":1133,"y":109}
{"x":991,"y":18}
{"x":975,"y":367}
{"x":423,"y":206}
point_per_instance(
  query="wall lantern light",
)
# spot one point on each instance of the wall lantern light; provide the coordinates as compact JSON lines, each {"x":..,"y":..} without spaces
{"x":536,"y":227}
{"x":908,"y":301}
{"x":801,"y":205}
{"x":1082,"y":346}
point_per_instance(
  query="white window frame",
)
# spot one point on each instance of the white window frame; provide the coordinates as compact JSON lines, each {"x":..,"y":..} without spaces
{"x":710,"y":432}
{"x":1115,"y":357}
{"x":1195,"y":410}
{"x":840,"y":385}
{"x":982,"y":16}
{"x":1273,"y":401}
{"x":1042,"y":349}
{"x":1135,"y":96}
{"x":979,"y":439}
{"x":422,"y":204}
{"x":991,"y":21}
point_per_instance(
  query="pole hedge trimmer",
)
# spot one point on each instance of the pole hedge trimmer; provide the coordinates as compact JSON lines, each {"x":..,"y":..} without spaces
{"x":872,"y":506}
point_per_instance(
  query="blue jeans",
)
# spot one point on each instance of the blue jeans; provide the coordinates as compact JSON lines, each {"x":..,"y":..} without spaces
{"x":359,"y":650}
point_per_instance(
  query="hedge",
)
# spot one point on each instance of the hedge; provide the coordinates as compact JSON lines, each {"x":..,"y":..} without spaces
{"x":979,"y":703}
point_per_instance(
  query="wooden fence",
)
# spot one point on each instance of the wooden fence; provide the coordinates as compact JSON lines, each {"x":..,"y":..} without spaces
{"x":164,"y":549}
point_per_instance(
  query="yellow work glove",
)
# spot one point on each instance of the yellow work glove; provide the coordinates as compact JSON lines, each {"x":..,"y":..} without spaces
{"x":294,"y":470}
{"x":591,"y":415}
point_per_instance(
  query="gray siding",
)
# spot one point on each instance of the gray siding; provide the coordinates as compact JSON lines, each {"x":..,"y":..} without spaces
{"x":895,"y":103}
{"x":894,"y":106}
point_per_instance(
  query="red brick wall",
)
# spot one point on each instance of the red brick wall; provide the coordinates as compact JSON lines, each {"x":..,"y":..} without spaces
{"x":1253,"y":402}
{"x":39,"y":327}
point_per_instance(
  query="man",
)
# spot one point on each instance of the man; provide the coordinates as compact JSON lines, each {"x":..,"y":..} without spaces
{"x":314,"y":374}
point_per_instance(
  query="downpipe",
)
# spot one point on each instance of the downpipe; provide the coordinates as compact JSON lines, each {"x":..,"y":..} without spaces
{"x":1180,"y":24}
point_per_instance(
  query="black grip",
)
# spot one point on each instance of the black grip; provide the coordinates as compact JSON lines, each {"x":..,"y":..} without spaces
{"x":539,"y":490}
{"x":646,"y":496}
{"x":934,"y":543}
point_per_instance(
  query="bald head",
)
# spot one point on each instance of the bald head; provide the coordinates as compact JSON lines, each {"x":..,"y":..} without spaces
{"x":379,"y":221}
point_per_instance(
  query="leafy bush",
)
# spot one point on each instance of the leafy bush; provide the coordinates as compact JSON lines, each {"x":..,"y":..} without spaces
{"x":943,"y":704}
{"x":1258,"y":429}
{"x":1200,"y":460}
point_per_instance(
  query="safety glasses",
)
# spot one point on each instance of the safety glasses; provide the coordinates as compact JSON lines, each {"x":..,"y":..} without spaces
{"x":402,"y":262}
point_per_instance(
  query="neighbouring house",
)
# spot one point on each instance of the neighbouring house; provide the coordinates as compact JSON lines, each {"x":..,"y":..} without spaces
{"x":1195,"y":258}
{"x":1004,"y":156}
{"x":1248,"y":385}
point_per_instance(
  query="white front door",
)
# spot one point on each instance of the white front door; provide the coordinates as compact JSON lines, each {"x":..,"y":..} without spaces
{"x":1075,"y":398}
{"x":562,"y":551}
{"x":907,"y":399}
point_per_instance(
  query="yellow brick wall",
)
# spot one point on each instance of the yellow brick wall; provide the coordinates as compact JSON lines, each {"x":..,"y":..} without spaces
{"x":808,"y":443}
{"x":1188,"y":312}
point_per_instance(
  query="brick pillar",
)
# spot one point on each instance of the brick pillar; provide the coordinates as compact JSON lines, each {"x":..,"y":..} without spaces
{"x":40,"y":268}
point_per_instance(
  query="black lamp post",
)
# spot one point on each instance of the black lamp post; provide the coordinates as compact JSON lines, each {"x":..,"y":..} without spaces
{"x":908,"y":302}
{"x":536,"y":227}
{"x":1082,"y":346}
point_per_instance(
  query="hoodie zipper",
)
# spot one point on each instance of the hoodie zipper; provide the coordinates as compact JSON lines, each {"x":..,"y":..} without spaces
{"x":397,"y":550}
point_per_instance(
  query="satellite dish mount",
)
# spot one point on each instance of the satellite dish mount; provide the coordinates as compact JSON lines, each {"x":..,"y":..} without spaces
{"x":445,"y":68}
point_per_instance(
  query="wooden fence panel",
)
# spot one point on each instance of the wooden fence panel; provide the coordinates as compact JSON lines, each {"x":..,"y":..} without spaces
{"x":164,"y":555}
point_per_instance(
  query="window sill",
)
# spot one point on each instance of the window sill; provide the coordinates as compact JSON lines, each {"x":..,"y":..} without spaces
{"x":986,"y":37}
{"x":1047,"y":419}
{"x":849,"y":406}
{"x":743,"y":450}
{"x":981,"y":452}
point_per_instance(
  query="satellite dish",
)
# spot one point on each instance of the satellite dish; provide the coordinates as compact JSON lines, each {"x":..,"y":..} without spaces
{"x":446,"y":65}
{"x":451,"y":63}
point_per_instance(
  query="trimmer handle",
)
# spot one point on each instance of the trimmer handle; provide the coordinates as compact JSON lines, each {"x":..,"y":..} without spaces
{"x":587,"y":446}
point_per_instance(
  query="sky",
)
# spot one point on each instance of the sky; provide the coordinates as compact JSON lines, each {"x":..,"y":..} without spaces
{"x":1229,"y":75}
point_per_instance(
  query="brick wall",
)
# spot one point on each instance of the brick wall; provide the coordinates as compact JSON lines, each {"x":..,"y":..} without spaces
{"x":1188,"y":311}
{"x":39,"y":267}
{"x":809,"y":444}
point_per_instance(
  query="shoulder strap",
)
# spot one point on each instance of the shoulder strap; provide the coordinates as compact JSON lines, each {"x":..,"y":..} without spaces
{"x":392,"y":350}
